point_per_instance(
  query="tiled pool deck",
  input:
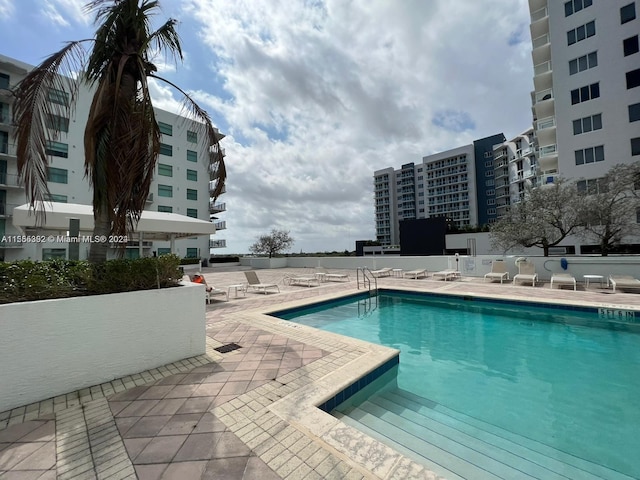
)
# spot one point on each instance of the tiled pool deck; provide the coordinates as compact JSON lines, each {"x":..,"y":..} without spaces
{"x":246,"y":414}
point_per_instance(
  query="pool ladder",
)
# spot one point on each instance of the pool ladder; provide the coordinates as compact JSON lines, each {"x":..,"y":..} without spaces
{"x":367,"y":277}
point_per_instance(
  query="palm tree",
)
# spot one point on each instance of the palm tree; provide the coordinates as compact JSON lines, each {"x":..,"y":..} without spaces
{"x":122,"y":137}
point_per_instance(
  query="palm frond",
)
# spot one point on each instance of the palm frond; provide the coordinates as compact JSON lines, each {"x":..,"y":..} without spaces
{"x":204,"y":126}
{"x":31,"y":110}
{"x":166,"y":39}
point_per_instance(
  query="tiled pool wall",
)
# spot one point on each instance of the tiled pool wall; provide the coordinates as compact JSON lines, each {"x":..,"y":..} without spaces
{"x":359,"y":384}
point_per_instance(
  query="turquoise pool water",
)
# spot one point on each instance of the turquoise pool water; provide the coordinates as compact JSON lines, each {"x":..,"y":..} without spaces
{"x":554,"y":381}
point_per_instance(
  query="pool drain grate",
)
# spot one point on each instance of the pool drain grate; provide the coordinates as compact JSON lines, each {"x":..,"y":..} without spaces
{"x":229,"y":347}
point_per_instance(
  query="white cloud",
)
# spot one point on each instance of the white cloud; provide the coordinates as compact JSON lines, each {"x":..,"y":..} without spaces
{"x":321,"y":94}
{"x":65,"y":12}
{"x":6,"y":10}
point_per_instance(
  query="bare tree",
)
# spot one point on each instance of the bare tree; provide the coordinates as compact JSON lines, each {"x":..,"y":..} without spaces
{"x":609,"y":206}
{"x":543,"y":218}
{"x":272,"y":244}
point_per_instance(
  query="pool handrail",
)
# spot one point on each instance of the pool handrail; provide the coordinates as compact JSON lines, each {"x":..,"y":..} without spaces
{"x":366,"y":278}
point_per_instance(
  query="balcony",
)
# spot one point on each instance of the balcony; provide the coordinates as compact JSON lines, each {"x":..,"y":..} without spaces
{"x":7,"y":149}
{"x":217,"y":244}
{"x":217,"y":207}
{"x":541,"y":49}
{"x":542,"y":68}
{"x":548,"y":151}
{"x":6,"y":209}
{"x":149,"y":198}
{"x":539,"y":23}
{"x":8,"y":180}
{"x":220,"y":225}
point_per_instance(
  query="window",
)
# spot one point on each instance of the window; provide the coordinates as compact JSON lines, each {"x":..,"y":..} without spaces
{"x":4,"y":81}
{"x":587,"y":124}
{"x":57,"y":149}
{"x":592,"y":186}
{"x":583,"y":94}
{"x":489,"y":183}
{"x":165,"y":191}
{"x":56,"y":122}
{"x":633,"y":78}
{"x":589,"y":155}
{"x":192,"y":175}
{"x":53,"y":253}
{"x":58,"y":96}
{"x":583,"y":31}
{"x":164,"y":250}
{"x":583,"y":63}
{"x":628,"y":13}
{"x":634,"y":112}
{"x":192,"y":252}
{"x":192,"y":194}
{"x":573,"y":6}
{"x":165,"y":170}
{"x":488,"y":163}
{"x":488,"y":173}
{"x":192,"y":212}
{"x":630,"y":45}
{"x":491,"y":201}
{"x":52,"y":197}
{"x":4,"y":142}
{"x":165,"y":209}
{"x":57,"y":175}
{"x":635,"y":146}
{"x":192,"y":156}
{"x":166,"y":150}
{"x":491,"y":192}
{"x":165,"y":128}
{"x":192,"y":136}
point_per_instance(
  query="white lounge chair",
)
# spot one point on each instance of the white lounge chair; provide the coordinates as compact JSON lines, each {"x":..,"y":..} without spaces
{"x":304,"y":280}
{"x":526,"y":273}
{"x":383,"y":272}
{"x":623,"y":281}
{"x":498,"y":271}
{"x":561,"y":279}
{"x":332,"y":276}
{"x":254,"y":282}
{"x":415,"y":274}
{"x":446,"y":275}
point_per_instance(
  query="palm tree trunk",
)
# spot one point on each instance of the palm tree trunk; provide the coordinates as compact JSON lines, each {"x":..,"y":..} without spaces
{"x":101,"y":230}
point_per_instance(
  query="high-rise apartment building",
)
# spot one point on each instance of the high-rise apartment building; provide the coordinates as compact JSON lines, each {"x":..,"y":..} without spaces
{"x":456,"y":184}
{"x":586,"y":98}
{"x":181,"y":183}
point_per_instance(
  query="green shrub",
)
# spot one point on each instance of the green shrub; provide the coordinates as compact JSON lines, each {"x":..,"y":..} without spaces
{"x":26,"y":280}
{"x":189,"y":261}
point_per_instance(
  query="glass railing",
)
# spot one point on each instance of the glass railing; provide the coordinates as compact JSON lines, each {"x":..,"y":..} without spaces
{"x":541,"y":41}
{"x":539,"y":14}
{"x":544,"y":95}
{"x":546,"y":123}
{"x":541,"y":68}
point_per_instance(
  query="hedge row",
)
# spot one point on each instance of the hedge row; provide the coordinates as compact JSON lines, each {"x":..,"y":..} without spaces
{"x":26,"y":280}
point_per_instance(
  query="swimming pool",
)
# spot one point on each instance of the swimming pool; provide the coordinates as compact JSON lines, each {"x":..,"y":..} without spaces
{"x":488,"y":389}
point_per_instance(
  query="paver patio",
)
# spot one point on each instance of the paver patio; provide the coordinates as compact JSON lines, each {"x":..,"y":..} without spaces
{"x":220,"y":415}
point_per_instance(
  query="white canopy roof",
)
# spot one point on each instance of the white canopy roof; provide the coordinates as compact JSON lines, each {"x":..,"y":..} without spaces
{"x":152,"y":225}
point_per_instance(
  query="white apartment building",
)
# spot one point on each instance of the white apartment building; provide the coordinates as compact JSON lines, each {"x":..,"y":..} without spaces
{"x":586,"y":98}
{"x":181,"y":184}
{"x":452,"y":184}
{"x":514,"y":162}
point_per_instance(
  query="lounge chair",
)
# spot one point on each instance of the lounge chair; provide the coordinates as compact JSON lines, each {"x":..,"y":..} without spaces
{"x":623,"y":281}
{"x":561,"y":279}
{"x":526,"y":273}
{"x":332,"y":276}
{"x":304,"y":280}
{"x":446,"y":275}
{"x":498,"y":271}
{"x":415,"y":274}
{"x":254,"y":282}
{"x":209,"y":291}
{"x":383,"y":272}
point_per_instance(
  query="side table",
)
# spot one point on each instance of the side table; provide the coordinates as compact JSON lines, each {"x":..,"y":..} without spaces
{"x":235,"y":288}
{"x":592,"y":278}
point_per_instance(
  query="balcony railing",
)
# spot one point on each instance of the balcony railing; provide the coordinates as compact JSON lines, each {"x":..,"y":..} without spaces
{"x":546,"y":123}
{"x":541,"y":41}
{"x":539,"y":14}
{"x":544,"y":95}
{"x":548,"y":151}
{"x":217,"y":208}
{"x":220,"y":225}
{"x":541,"y":68}
{"x":9,"y":179}
{"x":217,"y":243}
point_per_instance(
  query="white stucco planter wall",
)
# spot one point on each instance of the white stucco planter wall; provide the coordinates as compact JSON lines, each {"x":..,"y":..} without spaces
{"x":52,"y":347}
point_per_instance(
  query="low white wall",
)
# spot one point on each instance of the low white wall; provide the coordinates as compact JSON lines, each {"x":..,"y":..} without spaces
{"x":52,"y":347}
{"x":474,"y":266}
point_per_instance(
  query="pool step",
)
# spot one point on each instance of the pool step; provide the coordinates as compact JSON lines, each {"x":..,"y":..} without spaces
{"x":458,"y":446}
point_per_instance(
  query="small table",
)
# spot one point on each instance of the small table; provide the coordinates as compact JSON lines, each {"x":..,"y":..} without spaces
{"x":236,"y":287}
{"x":592,"y":278}
{"x":321,"y":276}
{"x":397,"y":272}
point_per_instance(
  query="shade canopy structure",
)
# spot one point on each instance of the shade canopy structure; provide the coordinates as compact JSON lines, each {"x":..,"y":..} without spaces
{"x":152,"y":225}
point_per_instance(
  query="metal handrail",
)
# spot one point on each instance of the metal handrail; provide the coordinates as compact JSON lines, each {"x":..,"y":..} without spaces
{"x":366,"y":279}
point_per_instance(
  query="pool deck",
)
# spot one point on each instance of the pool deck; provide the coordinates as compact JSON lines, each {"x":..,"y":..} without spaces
{"x":248,"y":413}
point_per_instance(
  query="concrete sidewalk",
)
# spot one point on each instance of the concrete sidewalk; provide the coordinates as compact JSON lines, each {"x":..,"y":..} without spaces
{"x":214,"y":416}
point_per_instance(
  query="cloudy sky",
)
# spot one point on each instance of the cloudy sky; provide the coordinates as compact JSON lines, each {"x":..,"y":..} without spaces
{"x":315,"y":95}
